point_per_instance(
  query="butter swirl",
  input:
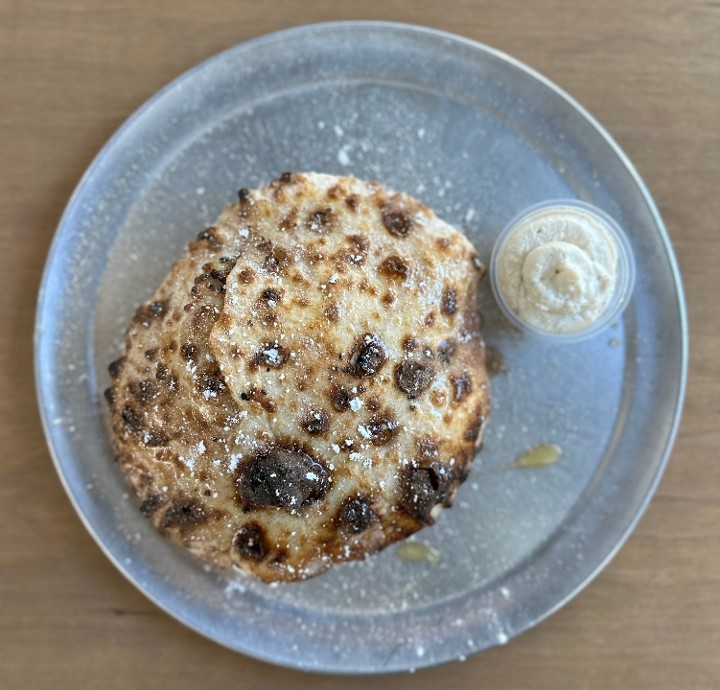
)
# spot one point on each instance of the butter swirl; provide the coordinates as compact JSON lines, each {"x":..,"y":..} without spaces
{"x":557,"y":269}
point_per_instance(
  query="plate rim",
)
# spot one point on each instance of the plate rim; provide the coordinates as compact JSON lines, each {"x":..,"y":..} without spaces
{"x":350,"y":26}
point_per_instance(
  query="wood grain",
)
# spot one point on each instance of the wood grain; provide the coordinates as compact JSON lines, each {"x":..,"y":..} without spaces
{"x":72,"y":71}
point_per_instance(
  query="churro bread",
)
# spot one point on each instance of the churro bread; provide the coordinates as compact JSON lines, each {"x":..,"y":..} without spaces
{"x":308,"y":384}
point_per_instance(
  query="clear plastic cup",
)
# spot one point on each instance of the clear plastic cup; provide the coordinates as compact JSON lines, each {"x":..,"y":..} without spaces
{"x":625,"y":269}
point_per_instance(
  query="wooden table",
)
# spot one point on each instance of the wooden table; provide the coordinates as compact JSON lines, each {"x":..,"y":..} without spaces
{"x":73,"y":70}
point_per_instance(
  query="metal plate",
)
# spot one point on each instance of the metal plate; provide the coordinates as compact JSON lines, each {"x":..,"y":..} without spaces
{"x":475,"y":135}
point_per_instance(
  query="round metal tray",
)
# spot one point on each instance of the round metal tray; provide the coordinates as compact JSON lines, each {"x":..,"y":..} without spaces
{"x":478,"y":137}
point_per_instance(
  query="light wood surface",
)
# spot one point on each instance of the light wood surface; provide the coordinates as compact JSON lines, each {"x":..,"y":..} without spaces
{"x":72,"y":71}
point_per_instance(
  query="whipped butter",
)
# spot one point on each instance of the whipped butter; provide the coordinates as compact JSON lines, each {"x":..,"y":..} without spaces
{"x":557,"y":269}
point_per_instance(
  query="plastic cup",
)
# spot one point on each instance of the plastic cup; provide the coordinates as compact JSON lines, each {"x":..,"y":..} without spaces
{"x":625,"y":270}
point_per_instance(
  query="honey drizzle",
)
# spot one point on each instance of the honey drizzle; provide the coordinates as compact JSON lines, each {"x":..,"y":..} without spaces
{"x":540,"y":456}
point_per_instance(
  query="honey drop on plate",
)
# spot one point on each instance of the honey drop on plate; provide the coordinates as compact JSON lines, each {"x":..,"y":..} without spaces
{"x":418,"y":551}
{"x":540,"y":456}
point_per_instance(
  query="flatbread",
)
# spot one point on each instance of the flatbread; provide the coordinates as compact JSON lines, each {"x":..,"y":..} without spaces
{"x":308,"y":384}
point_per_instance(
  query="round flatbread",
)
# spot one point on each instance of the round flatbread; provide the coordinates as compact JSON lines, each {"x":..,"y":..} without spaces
{"x":308,"y":384}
